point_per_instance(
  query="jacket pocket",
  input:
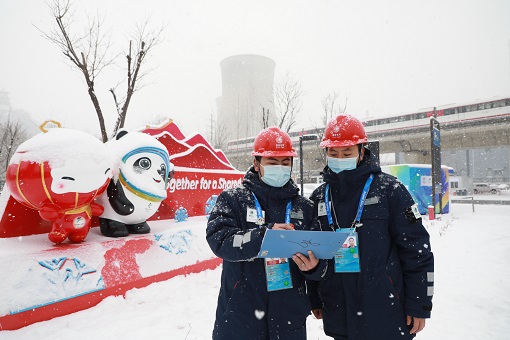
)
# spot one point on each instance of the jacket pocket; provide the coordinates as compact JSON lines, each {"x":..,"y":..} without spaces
{"x":377,"y":211}
{"x":234,"y":294}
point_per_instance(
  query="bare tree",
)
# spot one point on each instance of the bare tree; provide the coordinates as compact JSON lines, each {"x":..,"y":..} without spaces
{"x":219,"y":132}
{"x":89,"y":53}
{"x":220,"y":135}
{"x":144,"y":41}
{"x":12,"y":135}
{"x":331,"y":107}
{"x":265,"y":118}
{"x":241,"y":122}
{"x":288,"y":100}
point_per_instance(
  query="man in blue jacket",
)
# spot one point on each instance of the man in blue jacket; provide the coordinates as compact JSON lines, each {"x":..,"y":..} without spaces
{"x":250,"y":308}
{"x":382,"y":288}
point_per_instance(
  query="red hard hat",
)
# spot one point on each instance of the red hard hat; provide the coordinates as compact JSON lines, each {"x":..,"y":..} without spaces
{"x":273,"y":142}
{"x":343,"y":130}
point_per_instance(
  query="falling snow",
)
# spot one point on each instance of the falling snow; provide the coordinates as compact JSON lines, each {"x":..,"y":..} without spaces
{"x":184,"y":307}
{"x":259,"y":314}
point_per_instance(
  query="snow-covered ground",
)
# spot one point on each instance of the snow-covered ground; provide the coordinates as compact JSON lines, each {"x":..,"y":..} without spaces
{"x":472,"y":292}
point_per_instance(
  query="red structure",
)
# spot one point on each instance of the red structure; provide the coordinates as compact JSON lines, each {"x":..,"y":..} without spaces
{"x":200,"y":172}
{"x":69,"y":277}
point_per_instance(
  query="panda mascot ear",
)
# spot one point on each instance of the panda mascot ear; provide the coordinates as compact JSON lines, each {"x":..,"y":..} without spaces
{"x":121,"y":134}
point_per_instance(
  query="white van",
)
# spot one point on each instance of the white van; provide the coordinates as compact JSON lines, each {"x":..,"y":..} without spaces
{"x":485,"y":188}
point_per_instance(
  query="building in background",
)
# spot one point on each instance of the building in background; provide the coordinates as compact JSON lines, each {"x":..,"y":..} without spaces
{"x":488,"y":164}
{"x":247,"y":97}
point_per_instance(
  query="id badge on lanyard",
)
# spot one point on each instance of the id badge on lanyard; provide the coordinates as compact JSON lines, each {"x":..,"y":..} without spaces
{"x":347,"y":257}
{"x":277,"y":269}
{"x":278,"y":274}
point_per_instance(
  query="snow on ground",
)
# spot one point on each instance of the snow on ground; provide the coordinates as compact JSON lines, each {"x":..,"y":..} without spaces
{"x":471,"y":301}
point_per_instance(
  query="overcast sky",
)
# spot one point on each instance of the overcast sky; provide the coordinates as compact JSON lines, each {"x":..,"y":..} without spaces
{"x":385,"y":57}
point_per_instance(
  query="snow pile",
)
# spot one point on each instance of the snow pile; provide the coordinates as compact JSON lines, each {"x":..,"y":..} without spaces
{"x":472,"y":295}
{"x":59,"y":144}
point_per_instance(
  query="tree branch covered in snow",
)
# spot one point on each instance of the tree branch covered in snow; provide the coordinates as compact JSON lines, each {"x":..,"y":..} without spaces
{"x":90,"y":54}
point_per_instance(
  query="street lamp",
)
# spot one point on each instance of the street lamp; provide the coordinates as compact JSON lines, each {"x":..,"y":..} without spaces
{"x":301,"y":139}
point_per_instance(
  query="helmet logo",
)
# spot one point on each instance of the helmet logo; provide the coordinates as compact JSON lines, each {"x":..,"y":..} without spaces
{"x":279,"y":142}
{"x":336,"y":131}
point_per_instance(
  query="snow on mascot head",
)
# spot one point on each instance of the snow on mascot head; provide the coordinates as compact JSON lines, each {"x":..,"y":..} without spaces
{"x":142,"y":170}
{"x":59,"y":173}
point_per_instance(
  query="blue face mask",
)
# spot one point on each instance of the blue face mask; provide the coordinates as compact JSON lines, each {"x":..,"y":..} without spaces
{"x":276,"y":175}
{"x":338,"y":165}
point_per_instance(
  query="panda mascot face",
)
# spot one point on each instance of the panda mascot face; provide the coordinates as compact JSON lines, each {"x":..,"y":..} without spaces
{"x":145,"y":172}
{"x":141,"y":173}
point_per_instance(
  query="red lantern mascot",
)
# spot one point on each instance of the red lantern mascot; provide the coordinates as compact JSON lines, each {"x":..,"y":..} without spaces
{"x":59,"y":173}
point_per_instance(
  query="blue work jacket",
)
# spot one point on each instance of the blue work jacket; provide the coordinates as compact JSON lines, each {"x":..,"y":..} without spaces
{"x":396,"y":260}
{"x":246,"y":310}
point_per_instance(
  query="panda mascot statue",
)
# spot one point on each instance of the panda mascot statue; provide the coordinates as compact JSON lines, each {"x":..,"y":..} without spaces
{"x":141,"y":173}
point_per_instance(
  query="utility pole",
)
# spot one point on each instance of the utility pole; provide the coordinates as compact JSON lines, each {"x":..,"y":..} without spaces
{"x":301,"y":139}
{"x":435,"y":155}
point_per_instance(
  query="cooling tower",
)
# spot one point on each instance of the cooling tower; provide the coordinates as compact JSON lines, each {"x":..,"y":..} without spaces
{"x":247,"y":88}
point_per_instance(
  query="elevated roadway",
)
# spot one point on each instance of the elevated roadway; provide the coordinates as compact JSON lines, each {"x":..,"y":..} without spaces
{"x":413,"y":141}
